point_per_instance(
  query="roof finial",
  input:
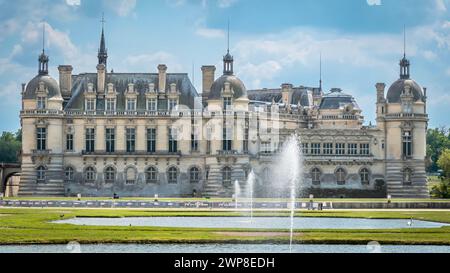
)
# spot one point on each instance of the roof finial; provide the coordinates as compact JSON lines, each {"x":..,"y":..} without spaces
{"x":404,"y":41}
{"x":43,"y":36}
{"x":228,"y":37}
{"x":320,"y":71}
{"x":102,"y":52}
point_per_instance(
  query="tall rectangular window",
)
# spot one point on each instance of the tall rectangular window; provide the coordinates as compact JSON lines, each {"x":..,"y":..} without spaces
{"x":40,"y":102}
{"x":407,"y":143}
{"x":131,"y":104}
{"x":328,"y":148}
{"x":305,"y":149}
{"x":245,"y":141}
{"x":90,"y":104}
{"x":226,"y":142}
{"x":90,"y":140}
{"x":41,"y":139}
{"x":110,"y":140}
{"x":340,"y":148}
{"x":110,"y":105}
{"x":131,"y":140}
{"x":152,"y":104}
{"x":226,"y":103}
{"x":315,"y":148}
{"x":266,"y":147}
{"x":364,"y":149}
{"x":172,"y":103}
{"x":69,"y":142}
{"x":173,"y":143}
{"x":208,"y":139}
{"x":151,"y":140}
{"x":352,"y":148}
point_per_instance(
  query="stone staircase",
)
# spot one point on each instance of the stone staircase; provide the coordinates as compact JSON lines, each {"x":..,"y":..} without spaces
{"x":394,"y":180}
{"x":53,"y":186}
{"x":214,"y":185}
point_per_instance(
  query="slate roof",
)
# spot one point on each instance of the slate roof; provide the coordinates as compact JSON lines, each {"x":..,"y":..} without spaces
{"x":301,"y":93}
{"x":141,"y":83}
{"x":337,"y":99}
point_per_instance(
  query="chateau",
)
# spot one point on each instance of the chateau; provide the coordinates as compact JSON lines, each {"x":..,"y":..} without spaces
{"x":140,"y":134}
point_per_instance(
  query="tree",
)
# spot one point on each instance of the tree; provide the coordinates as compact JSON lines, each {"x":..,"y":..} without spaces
{"x":438,"y":139}
{"x":444,"y":162}
{"x":10,"y":145}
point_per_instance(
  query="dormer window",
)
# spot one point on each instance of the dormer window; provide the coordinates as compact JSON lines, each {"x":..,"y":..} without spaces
{"x":41,"y":102}
{"x":152,"y":104}
{"x":131,"y":104}
{"x":227,"y":103}
{"x":172,"y":104}
{"x":90,"y":87}
{"x":90,"y":104}
{"x":110,"y":104}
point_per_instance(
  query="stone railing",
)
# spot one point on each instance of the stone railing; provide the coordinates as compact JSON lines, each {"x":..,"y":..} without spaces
{"x":406,"y":115}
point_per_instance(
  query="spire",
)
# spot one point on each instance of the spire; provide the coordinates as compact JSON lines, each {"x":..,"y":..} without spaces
{"x":228,"y":59}
{"x":320,"y":71}
{"x":404,"y":63}
{"x":43,"y":59}
{"x":102,"y":52}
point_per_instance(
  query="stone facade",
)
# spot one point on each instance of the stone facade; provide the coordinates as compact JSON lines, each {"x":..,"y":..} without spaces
{"x":140,"y":134}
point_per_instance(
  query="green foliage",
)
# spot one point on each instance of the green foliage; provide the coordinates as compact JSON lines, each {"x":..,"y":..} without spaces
{"x":10,"y":145}
{"x":444,"y":162}
{"x":438,"y":139}
{"x":441,"y":190}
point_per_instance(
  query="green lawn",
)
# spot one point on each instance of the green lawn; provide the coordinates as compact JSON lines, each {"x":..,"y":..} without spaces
{"x":174,"y":199}
{"x":26,"y":226}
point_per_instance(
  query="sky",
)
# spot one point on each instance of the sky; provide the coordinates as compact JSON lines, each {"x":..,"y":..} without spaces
{"x":273,"y":42}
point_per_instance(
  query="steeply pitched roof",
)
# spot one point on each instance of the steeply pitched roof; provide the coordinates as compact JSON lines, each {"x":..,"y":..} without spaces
{"x":141,"y":83}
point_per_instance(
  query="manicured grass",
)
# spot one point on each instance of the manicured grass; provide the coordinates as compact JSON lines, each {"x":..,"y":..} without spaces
{"x":335,"y":200}
{"x":26,"y":226}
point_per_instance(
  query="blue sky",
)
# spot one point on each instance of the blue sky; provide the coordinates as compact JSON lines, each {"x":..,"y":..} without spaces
{"x":273,"y":42}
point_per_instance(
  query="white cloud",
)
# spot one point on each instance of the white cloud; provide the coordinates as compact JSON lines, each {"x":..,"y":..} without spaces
{"x":149,"y":62}
{"x":10,"y":92}
{"x":121,"y":7}
{"x":429,"y":55}
{"x":226,"y":3}
{"x":73,"y":2}
{"x":440,"y":5}
{"x":374,"y":2}
{"x":210,"y":32}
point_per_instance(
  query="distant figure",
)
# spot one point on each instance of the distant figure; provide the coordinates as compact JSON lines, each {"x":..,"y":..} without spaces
{"x":410,"y":222}
{"x":115,"y":196}
{"x":194,"y":193}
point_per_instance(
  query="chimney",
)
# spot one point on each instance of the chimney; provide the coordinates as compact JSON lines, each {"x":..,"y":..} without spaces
{"x":162,"y":68}
{"x":101,"y":79}
{"x":208,"y":78}
{"x":380,"y":91}
{"x":65,"y":80}
{"x":286,"y":92}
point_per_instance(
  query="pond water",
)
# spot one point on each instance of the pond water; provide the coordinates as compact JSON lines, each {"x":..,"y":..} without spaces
{"x":256,"y":222}
{"x":221,"y":248}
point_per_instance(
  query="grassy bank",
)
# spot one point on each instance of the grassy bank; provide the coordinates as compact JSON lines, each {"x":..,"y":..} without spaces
{"x":26,"y":226}
{"x":335,"y":200}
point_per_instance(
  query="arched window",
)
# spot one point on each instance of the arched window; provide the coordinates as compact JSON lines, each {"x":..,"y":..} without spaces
{"x":315,"y":174}
{"x":110,"y":175}
{"x":69,"y":173}
{"x":194,"y":175}
{"x":130,"y":174}
{"x":364,"y":175}
{"x":172,"y":175}
{"x":226,"y":176}
{"x":340,"y":176}
{"x":407,"y":176}
{"x":40,"y":173}
{"x":89,"y":174}
{"x":151,"y":175}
